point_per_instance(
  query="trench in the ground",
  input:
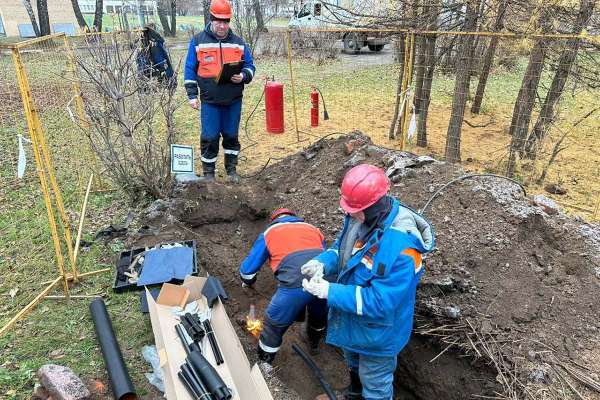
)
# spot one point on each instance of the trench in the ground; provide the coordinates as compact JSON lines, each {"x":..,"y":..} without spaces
{"x":450,"y":376}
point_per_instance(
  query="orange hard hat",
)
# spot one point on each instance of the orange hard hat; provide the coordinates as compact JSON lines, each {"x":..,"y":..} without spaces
{"x":220,"y":9}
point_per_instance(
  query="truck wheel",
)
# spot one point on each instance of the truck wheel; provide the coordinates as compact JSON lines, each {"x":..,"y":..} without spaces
{"x":351,"y":45}
{"x":376,"y":47}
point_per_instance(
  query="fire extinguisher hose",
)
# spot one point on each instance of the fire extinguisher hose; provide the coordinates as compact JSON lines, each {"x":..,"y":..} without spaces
{"x":325,"y":113}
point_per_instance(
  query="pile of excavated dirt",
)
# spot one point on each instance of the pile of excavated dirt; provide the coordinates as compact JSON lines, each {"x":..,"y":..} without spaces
{"x":508,"y":306}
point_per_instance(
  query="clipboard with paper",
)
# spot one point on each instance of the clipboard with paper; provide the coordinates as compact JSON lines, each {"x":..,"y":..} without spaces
{"x":227,"y":71}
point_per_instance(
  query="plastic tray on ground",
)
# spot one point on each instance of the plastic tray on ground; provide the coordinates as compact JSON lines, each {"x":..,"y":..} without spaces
{"x":128,"y":256}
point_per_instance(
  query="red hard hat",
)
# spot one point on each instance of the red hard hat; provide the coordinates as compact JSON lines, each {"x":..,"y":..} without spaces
{"x":281,"y":211}
{"x":220,"y":9}
{"x":362,"y":186}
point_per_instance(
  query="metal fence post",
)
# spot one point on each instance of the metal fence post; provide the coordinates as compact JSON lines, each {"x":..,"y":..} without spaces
{"x":76,"y":88}
{"x":409,"y":56}
{"x":289,"y":46}
{"x":33,"y":127}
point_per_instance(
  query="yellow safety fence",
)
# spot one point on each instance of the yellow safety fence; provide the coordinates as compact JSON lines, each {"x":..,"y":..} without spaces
{"x":47,"y":172}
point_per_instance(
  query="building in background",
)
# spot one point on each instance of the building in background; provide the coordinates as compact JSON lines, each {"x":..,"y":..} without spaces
{"x":14,"y":20}
{"x":147,"y":7}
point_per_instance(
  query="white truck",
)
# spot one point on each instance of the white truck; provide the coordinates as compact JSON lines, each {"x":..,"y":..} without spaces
{"x":344,"y":14}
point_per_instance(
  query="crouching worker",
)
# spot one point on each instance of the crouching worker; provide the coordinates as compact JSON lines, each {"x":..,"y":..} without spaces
{"x":377,"y":257}
{"x":288,"y":243}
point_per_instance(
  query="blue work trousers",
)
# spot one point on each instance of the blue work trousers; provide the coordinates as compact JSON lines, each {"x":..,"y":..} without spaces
{"x":287,"y":306}
{"x":217,"y":121}
{"x":376,"y":374}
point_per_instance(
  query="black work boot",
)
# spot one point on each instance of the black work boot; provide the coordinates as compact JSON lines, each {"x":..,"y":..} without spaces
{"x":265,"y":356}
{"x":354,"y":390}
{"x":208,"y":171}
{"x":231,"y":161}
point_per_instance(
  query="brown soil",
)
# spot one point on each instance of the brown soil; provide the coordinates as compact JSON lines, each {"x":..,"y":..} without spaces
{"x":508,"y":304}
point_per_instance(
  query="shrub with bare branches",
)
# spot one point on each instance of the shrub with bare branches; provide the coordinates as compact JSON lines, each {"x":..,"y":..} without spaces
{"x":129,"y":115}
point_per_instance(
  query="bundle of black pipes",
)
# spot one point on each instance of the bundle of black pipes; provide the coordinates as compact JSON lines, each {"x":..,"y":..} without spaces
{"x":197,"y":375}
{"x":113,"y":359}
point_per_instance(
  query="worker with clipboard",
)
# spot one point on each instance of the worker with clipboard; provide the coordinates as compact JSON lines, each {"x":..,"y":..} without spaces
{"x":217,"y":67}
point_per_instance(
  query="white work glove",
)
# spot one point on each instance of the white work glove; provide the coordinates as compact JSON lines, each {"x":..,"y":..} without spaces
{"x":312,"y":268}
{"x":317,"y":286}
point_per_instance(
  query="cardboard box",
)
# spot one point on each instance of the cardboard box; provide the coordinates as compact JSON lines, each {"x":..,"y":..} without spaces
{"x":247,"y":382}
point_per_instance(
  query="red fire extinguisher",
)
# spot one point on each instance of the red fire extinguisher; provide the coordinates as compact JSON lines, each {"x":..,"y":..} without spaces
{"x":274,"y":106}
{"x":314,"y":109}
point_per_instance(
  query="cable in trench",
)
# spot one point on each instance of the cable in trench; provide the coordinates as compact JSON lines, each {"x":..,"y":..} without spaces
{"x":465,"y":177}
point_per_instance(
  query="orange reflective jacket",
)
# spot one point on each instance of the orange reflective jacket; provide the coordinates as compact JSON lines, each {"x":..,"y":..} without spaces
{"x":212,"y":56}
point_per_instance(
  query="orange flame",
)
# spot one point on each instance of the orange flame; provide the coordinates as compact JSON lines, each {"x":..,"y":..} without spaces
{"x":254,"y":326}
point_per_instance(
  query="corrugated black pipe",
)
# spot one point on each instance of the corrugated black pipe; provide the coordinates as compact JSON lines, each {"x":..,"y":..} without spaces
{"x":113,"y":359}
{"x":311,"y":364}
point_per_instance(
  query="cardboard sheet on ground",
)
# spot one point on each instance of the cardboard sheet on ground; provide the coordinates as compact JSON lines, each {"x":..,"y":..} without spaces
{"x":247,"y":382}
{"x":163,"y":265}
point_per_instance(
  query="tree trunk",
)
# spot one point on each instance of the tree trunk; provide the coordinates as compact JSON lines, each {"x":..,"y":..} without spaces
{"x":258,"y":13}
{"x":523,"y":108}
{"x":163,"y":16}
{"x":79,"y":16}
{"x":420,"y":47}
{"x":173,"y":18}
{"x":524,"y":103}
{"x":206,"y":10}
{"x":43,"y":18}
{"x":461,"y":86}
{"x":485,"y":73}
{"x":125,"y":21}
{"x":400,"y":55}
{"x":98,"y":15}
{"x":489,"y":58}
{"x":32,"y":18}
{"x":565,"y":63}
{"x":448,"y":61}
{"x":426,"y":99}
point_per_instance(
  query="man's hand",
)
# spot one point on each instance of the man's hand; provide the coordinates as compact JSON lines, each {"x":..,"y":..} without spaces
{"x":195,"y":103}
{"x":312,"y":268}
{"x":237,"y":78}
{"x":317,"y":286}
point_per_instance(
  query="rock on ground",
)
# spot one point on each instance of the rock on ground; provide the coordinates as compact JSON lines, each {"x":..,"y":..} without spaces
{"x":61,"y":383}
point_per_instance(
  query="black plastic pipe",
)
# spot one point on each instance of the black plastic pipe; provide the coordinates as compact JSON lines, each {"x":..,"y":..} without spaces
{"x":188,"y":385}
{"x":184,"y":342}
{"x":194,"y":375}
{"x":113,"y":359}
{"x":311,"y":364}
{"x":209,"y":376}
{"x":213,"y":342}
